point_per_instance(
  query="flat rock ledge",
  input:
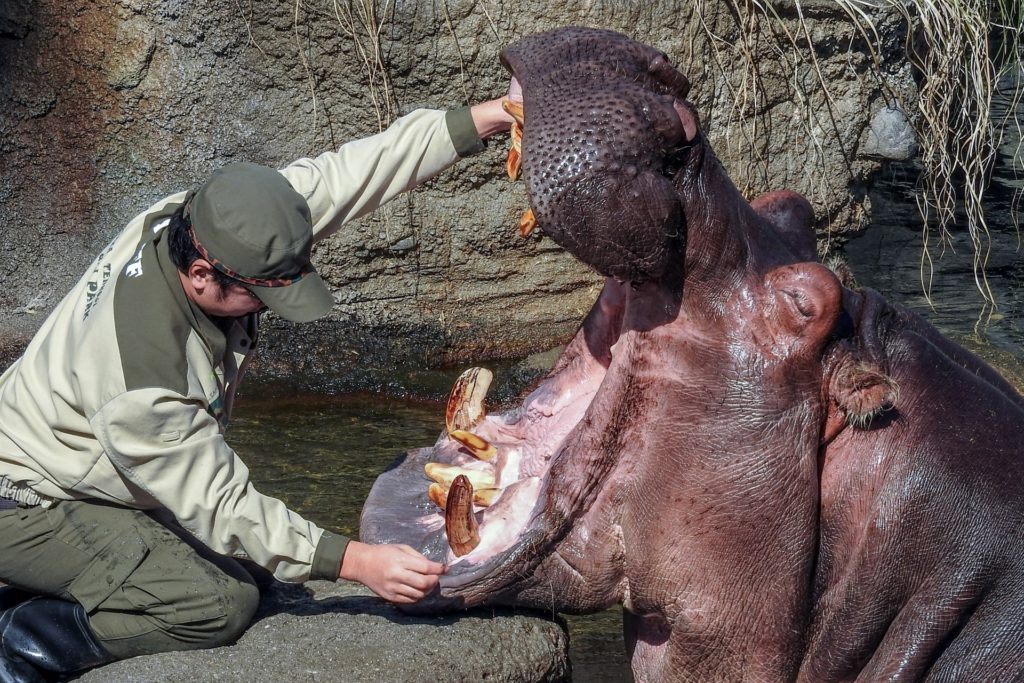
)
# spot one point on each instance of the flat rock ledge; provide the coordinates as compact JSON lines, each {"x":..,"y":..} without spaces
{"x":323,"y":631}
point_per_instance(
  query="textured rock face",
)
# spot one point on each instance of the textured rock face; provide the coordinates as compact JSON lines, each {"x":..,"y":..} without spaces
{"x":107,"y":105}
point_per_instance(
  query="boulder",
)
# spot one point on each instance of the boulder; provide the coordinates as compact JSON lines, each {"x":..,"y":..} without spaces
{"x":341,"y":633}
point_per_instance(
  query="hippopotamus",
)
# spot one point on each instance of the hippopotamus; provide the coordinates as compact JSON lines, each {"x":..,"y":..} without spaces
{"x":777,"y":476}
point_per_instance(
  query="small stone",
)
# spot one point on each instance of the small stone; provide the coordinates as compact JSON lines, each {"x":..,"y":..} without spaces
{"x":890,"y":136}
{"x":403,"y":245}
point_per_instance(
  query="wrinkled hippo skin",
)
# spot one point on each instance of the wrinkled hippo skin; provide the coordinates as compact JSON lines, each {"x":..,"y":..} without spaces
{"x":778,"y":477}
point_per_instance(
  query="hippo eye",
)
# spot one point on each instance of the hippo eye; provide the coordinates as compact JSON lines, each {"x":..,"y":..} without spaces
{"x":802,"y":303}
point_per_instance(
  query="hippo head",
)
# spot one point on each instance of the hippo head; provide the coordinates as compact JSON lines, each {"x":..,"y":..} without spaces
{"x":719,"y":448}
{"x":608,"y":130}
{"x":681,"y":424}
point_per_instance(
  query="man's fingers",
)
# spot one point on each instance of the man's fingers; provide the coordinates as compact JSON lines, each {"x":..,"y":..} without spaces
{"x":409,"y":592}
{"x":421,"y":582}
{"x":434,"y":568}
{"x":420,"y":564}
{"x":408,"y":550}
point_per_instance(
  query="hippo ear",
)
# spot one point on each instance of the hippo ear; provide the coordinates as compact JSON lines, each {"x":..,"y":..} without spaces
{"x":803,"y":305}
{"x":792,"y":217}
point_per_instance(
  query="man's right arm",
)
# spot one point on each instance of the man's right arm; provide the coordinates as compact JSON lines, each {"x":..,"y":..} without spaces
{"x":173,"y":452}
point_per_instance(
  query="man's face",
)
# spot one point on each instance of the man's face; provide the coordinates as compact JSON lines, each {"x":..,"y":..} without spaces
{"x":225,"y":301}
{"x":234,"y":301}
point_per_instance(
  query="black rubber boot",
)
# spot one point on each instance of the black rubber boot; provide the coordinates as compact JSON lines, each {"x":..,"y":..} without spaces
{"x":9,"y":597}
{"x":43,"y":638}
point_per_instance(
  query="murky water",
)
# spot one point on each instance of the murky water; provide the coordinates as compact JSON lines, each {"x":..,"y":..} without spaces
{"x":888,"y":256}
{"x":321,"y":453}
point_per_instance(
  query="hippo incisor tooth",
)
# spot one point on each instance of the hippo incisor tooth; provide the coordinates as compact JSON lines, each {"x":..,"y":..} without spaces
{"x":466,"y":402}
{"x":446,"y":474}
{"x":483,"y":497}
{"x":514,"y":162}
{"x":476,"y":445}
{"x":513,"y":109}
{"x":459,"y":521}
{"x":527,"y":223}
{"x":438,"y":495}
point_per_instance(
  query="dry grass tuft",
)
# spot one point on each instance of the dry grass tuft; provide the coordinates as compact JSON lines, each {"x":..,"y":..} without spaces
{"x":361,"y":21}
{"x":962,"y":60}
{"x":960,"y":51}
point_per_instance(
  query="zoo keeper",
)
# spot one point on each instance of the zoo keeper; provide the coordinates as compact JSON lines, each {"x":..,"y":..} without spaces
{"x":121,"y":504}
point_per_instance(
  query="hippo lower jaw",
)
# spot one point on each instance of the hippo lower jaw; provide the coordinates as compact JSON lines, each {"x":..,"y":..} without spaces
{"x":529,"y":506}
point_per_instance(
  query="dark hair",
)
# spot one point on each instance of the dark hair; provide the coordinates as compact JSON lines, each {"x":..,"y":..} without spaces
{"x":184,"y":252}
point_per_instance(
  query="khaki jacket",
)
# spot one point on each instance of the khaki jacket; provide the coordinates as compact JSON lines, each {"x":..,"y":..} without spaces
{"x":124,"y":393}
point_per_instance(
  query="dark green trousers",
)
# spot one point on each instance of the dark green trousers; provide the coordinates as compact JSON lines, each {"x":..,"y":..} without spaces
{"x":146,"y":587}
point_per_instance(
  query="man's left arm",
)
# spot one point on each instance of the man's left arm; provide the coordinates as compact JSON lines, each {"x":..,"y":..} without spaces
{"x":364,"y":174}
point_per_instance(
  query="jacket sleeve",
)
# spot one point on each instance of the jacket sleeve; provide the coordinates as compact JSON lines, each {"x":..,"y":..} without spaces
{"x":172,"y":449}
{"x":364,"y":174}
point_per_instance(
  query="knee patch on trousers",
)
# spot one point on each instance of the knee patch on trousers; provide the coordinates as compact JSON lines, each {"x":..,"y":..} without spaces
{"x":185,"y":602}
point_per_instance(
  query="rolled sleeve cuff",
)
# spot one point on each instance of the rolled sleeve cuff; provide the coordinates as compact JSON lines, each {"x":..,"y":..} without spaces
{"x":462,"y":130}
{"x":327,"y":558}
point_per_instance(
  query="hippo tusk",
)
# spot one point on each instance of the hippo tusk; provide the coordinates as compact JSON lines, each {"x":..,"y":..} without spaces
{"x":514,"y":162}
{"x":477,"y":445}
{"x":438,"y":494}
{"x":459,"y":522}
{"x":466,"y":402}
{"x":445,"y":475}
{"x":527,"y":223}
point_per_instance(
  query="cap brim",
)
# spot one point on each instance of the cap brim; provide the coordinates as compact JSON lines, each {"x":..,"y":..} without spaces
{"x":300,"y":302}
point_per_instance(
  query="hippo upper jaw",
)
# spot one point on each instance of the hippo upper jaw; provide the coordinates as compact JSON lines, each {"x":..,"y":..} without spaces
{"x":606,"y":191}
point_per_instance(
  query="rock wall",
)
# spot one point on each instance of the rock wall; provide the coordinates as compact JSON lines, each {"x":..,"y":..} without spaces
{"x":108,"y":105}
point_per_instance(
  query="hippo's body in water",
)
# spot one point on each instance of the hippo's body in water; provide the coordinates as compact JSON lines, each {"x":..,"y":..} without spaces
{"x":777,"y":477}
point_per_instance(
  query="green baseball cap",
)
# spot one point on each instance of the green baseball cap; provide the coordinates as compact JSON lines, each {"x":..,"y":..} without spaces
{"x":250,"y":224}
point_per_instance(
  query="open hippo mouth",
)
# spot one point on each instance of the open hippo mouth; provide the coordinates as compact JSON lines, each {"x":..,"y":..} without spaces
{"x":556,"y":503}
{"x":490,"y":498}
{"x":496,"y":492}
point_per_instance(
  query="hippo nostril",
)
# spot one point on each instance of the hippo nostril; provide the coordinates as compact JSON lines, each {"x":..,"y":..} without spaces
{"x":663,"y":70}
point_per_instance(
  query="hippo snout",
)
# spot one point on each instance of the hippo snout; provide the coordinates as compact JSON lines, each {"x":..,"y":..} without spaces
{"x":602,"y":170}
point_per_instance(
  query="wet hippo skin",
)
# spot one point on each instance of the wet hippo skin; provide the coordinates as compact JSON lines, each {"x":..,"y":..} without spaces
{"x":779,"y":478}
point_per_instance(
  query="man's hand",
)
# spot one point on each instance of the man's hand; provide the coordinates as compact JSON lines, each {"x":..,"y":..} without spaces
{"x":396,"y":573}
{"x":489,"y":117}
